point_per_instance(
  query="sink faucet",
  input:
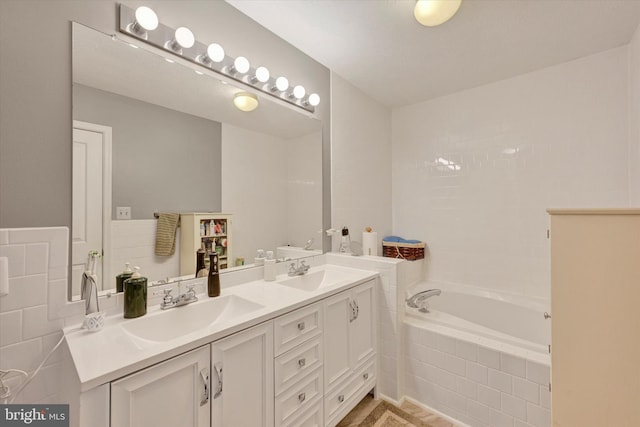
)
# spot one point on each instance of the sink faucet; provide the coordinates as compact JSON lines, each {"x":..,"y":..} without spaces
{"x":169,"y":301}
{"x":296,"y":269}
{"x":419,"y":300}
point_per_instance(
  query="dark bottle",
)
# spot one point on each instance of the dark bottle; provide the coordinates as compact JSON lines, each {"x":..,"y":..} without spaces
{"x":201,"y":269}
{"x":213,"y":281}
{"x":135,"y":295}
{"x":120,"y":278}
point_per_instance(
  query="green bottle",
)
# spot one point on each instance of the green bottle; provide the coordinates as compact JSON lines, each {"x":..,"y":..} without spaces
{"x":120,"y":278}
{"x":135,"y":295}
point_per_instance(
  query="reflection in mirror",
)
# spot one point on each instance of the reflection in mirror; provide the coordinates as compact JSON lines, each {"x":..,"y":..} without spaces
{"x":152,"y":136}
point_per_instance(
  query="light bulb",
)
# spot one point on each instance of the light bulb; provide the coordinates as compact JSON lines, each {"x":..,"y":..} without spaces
{"x":435,"y":12}
{"x":245,"y":101}
{"x":299,"y":92}
{"x":262,"y":74}
{"x":314,"y":99}
{"x":146,"y":18}
{"x":215,"y":52}
{"x":184,"y":37}
{"x":282,"y":84}
{"x":241,"y":64}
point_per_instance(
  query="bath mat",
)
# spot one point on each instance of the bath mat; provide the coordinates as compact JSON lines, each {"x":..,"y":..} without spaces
{"x":387,"y":415}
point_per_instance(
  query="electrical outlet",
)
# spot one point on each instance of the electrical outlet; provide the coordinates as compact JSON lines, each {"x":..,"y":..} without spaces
{"x":123,"y":212}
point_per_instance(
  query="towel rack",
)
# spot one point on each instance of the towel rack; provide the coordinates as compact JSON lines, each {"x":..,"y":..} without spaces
{"x":156,"y":215}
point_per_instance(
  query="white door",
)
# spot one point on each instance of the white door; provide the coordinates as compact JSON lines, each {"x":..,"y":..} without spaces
{"x":91,"y":198}
{"x":242,"y":379}
{"x":172,"y":393}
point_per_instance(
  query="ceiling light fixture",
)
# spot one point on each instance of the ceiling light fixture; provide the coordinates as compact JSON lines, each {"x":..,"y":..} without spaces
{"x":431,"y":13}
{"x":245,"y":101}
{"x":142,"y":23}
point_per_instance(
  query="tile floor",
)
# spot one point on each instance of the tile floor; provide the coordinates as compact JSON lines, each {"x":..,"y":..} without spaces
{"x":366,"y":405}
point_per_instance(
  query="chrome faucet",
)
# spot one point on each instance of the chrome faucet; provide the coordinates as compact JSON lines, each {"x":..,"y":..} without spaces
{"x":296,"y":269}
{"x":169,"y":301}
{"x":419,"y":300}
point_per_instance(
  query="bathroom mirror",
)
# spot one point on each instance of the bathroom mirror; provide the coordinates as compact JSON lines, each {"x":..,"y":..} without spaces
{"x":153,"y":136}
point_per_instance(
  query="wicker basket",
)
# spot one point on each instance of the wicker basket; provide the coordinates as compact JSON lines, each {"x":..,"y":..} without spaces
{"x":408,"y":251}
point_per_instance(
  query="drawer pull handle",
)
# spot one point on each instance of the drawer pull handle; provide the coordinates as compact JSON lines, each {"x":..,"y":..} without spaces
{"x":302,"y":397}
{"x":301,"y":326}
{"x":341,"y":398}
{"x":365,"y":375}
{"x":302,"y":362}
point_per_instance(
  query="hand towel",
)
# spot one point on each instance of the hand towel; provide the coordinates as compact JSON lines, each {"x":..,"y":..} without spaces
{"x":166,"y":233}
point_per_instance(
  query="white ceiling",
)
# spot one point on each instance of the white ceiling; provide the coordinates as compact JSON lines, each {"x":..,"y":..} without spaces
{"x":379,"y":47}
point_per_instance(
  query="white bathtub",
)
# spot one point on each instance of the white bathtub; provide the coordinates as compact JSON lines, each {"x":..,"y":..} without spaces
{"x":479,"y":357}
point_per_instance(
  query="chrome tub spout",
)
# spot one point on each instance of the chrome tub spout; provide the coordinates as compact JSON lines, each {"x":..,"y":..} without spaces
{"x":419,"y":300}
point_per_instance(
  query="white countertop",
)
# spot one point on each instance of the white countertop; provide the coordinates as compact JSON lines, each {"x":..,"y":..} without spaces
{"x":111,"y":353}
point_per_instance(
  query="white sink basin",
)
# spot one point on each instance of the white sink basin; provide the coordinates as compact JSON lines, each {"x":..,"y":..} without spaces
{"x":320,"y":278}
{"x":175,"y":322}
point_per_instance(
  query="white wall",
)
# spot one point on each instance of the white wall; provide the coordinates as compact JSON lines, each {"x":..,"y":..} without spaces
{"x":554,"y":137}
{"x":360,"y":167}
{"x":634,"y":119}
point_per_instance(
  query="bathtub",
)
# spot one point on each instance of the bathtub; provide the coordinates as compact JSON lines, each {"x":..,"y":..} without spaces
{"x":480,"y":357}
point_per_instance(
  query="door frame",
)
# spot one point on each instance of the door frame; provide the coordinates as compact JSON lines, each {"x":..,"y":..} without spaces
{"x":107,"y":136}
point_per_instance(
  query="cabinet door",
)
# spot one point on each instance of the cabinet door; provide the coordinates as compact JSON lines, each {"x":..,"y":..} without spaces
{"x":242,"y":379}
{"x":362,"y":329}
{"x":172,"y":393}
{"x":337,"y":316}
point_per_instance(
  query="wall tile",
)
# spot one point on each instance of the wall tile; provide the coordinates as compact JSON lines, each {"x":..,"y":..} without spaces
{"x":25,"y":291}
{"x":489,"y":396}
{"x":513,"y":365}
{"x":488,"y":357}
{"x":526,"y":390}
{"x":545,"y":397}
{"x":479,"y":412}
{"x":537,"y":416}
{"x":477,"y":373}
{"x":446,"y":344}
{"x":24,"y":355}
{"x":514,"y":406}
{"x":466,"y":388}
{"x":17,"y":260}
{"x":36,"y":324}
{"x":37,"y":256}
{"x":500,"y":381}
{"x":538,"y":373}
{"x":10,"y":327}
{"x":4,"y":237}
{"x":467,"y":350}
{"x":498,"y":419}
{"x":455,"y":365}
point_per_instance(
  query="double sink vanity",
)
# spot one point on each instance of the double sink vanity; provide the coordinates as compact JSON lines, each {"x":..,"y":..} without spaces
{"x":296,"y":351}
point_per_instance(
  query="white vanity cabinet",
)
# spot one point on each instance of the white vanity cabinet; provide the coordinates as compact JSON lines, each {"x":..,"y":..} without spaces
{"x":349,"y":350}
{"x":242,"y":379}
{"x":172,"y":393}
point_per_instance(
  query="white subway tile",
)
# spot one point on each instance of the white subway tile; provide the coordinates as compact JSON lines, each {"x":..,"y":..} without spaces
{"x":25,"y":355}
{"x":538,"y":416}
{"x":444,"y":378}
{"x":488,"y":357}
{"x":57,"y":273}
{"x":489,"y":396}
{"x":466,"y":388}
{"x":4,"y":236}
{"x":538,"y":373}
{"x":455,"y":365}
{"x":513,"y":365}
{"x":519,"y":423}
{"x":499,"y":419}
{"x":26,"y":291}
{"x":514,"y":406}
{"x":59,"y":307}
{"x":500,"y":381}
{"x":10,"y":327}
{"x":457,"y":402}
{"x":36,"y":256}
{"x":62,"y":352}
{"x":467,"y":350}
{"x":526,"y":390}
{"x":57,"y":237}
{"x":477,"y":373}
{"x":545,"y":397}
{"x":446,"y":344}
{"x":479,"y":412}
{"x":16,"y":259}
{"x":36,"y":324}
{"x":388,"y":365}
{"x":435,"y":357}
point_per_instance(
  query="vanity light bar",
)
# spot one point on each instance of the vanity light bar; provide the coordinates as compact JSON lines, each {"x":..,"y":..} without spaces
{"x":181,"y":42}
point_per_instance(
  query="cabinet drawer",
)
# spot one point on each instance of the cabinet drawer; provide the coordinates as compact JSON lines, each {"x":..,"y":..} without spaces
{"x":295,"y":328}
{"x":296,"y":363}
{"x":340,"y":401}
{"x":300,"y":396}
{"x":310,"y":417}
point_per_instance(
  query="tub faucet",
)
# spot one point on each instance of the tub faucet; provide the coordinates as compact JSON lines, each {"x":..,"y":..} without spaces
{"x":419,"y":300}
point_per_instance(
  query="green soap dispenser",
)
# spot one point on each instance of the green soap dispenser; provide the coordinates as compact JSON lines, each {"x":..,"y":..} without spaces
{"x":120,"y":278}
{"x":135,"y":295}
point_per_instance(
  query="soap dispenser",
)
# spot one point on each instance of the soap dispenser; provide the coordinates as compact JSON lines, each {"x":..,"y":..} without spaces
{"x":135,"y":295}
{"x":213,"y":281}
{"x":120,"y":278}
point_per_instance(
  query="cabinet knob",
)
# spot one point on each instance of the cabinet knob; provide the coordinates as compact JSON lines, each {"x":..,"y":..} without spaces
{"x":302,"y":397}
{"x":302,"y":362}
{"x":301,"y":326}
{"x":341,"y":398}
{"x":365,"y":376}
